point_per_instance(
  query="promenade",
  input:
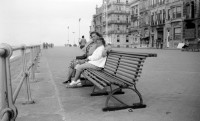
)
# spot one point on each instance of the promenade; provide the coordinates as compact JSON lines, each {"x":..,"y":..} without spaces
{"x":169,"y":84}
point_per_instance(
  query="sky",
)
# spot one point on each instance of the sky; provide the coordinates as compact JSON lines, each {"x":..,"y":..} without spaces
{"x":36,"y":21}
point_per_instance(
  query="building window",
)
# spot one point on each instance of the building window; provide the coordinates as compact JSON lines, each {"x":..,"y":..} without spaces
{"x":118,"y":27}
{"x":177,"y":33}
{"x":127,"y":40}
{"x":187,"y":11}
{"x":126,"y":1}
{"x":199,"y":31}
{"x":117,"y":38}
{"x":118,"y":1}
{"x":169,"y":14}
{"x":178,"y":12}
{"x":118,"y":17}
{"x":192,"y":9}
{"x":173,"y":13}
{"x":164,"y":15}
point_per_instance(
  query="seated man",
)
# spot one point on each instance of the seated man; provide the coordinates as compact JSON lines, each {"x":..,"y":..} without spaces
{"x":95,"y":61}
{"x":88,"y":50}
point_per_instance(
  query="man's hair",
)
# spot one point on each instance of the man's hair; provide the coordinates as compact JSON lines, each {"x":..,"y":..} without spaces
{"x":82,"y":36}
{"x":94,"y":32}
{"x":103,"y":41}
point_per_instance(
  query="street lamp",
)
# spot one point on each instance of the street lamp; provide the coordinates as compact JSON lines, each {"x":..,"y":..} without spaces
{"x":74,"y":36}
{"x":79,"y":28}
{"x":68,"y":35}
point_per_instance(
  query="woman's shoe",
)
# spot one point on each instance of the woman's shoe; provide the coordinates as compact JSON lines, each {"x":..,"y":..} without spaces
{"x":74,"y":84}
{"x":65,"y":82}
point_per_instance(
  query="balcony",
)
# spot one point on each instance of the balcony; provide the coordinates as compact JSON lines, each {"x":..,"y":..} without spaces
{"x":118,"y":12}
{"x":158,"y":22}
{"x":118,"y":22}
{"x":134,"y":17}
{"x":117,"y":32}
{"x":133,"y":29}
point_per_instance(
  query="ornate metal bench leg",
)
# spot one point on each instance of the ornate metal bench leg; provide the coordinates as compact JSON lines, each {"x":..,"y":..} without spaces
{"x":133,"y":106}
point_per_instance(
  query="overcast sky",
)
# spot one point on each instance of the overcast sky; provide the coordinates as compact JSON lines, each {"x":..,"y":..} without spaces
{"x":37,"y":21}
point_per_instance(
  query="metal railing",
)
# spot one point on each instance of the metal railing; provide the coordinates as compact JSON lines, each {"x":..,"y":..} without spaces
{"x":8,"y":110}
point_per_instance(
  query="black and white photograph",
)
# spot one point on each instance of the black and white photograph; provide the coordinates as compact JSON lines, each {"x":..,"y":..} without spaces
{"x":99,"y":60}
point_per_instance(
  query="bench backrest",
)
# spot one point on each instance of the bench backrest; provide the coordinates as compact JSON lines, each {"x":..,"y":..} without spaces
{"x":126,"y":65}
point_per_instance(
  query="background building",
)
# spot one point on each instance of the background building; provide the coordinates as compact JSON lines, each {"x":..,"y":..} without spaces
{"x":144,"y":23}
{"x":134,"y":29}
{"x":191,"y":25}
{"x":148,"y":23}
{"x":112,"y":20}
{"x":174,"y":23}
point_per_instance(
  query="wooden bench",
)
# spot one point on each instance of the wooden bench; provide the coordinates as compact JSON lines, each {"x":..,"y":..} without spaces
{"x":120,"y":73}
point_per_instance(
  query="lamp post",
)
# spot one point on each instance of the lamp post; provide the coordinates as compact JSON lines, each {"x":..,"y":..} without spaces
{"x":68,"y":35}
{"x":106,"y":18}
{"x":79,"y":28}
{"x":74,"y":36}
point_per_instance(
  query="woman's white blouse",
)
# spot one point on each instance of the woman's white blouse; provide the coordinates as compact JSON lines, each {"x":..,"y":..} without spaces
{"x":96,"y":57}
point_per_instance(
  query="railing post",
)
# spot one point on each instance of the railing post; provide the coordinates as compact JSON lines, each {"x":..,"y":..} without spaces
{"x":8,"y":109}
{"x":32,"y":63}
{"x":37,"y":51}
{"x":26,"y":74}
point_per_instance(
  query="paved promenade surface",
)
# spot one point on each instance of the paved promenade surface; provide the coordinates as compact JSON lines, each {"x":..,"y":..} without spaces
{"x":170,"y":85}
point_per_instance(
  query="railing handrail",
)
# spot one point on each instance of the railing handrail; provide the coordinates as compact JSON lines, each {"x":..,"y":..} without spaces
{"x":8,"y":109}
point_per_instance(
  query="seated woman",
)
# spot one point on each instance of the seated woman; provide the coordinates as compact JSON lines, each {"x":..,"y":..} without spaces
{"x":95,"y":61}
{"x":88,"y":50}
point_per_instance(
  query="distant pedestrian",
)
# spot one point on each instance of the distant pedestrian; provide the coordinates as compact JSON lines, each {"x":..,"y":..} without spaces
{"x":157,"y":43}
{"x":82,"y":42}
{"x":161,"y":44}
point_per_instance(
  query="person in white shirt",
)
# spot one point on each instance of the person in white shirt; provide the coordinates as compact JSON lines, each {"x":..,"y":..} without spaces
{"x":95,"y":61}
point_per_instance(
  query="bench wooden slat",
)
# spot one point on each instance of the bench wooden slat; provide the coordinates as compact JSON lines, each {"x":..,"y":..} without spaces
{"x":114,"y":64}
{"x":133,"y":59}
{"x":129,"y":57}
{"x":119,"y":79}
{"x":131,"y":62}
{"x":130,"y":68}
{"x":112,"y":79}
{"x":99,"y":79}
{"x":112,"y":61}
{"x":93,"y":81}
{"x":127,"y":76}
{"x":131,"y":73}
{"x":134,"y":53}
{"x":111,"y":68}
{"x":99,"y":75}
{"x":126,"y":55}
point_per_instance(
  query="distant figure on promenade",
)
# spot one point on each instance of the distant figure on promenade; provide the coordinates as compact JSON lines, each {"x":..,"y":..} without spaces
{"x":161,"y":43}
{"x":88,"y":50}
{"x":45,"y":45}
{"x":95,"y":61}
{"x":82,"y":42}
{"x":158,"y":42}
